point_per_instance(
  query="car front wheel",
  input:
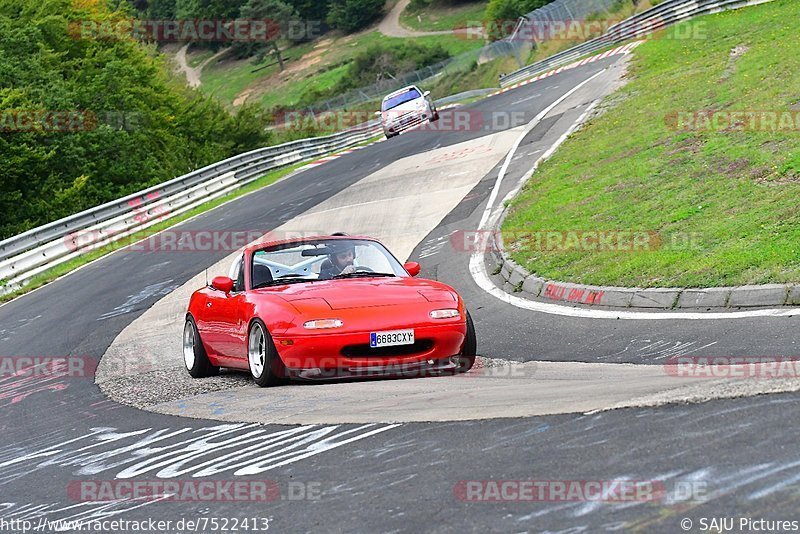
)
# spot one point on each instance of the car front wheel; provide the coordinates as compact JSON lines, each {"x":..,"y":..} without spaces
{"x":469,"y":351}
{"x":266,"y":367}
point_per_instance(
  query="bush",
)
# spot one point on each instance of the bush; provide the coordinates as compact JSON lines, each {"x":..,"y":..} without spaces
{"x":504,"y":12}
{"x":380,"y":62}
{"x":353,"y":15}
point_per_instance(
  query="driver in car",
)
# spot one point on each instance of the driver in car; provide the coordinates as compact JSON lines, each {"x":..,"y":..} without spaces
{"x":340,"y":261}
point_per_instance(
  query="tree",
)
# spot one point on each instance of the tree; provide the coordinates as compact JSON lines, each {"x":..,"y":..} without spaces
{"x":277,"y":15}
{"x":353,"y":15}
{"x":108,"y":121}
{"x":311,"y":10}
{"x":207,"y":9}
{"x":161,"y":9}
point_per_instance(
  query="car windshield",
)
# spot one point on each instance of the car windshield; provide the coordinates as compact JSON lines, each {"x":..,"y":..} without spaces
{"x":324,"y":259}
{"x":402,"y":98}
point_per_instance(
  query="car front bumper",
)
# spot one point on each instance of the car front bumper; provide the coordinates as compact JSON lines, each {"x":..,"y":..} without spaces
{"x":330,"y":356}
{"x":407,"y":121}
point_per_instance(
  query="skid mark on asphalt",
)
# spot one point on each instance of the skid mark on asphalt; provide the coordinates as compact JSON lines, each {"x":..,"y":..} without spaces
{"x":159,"y":289}
{"x":684,"y":491}
{"x":434,"y":246}
{"x":660,"y":349}
{"x":237,"y":449}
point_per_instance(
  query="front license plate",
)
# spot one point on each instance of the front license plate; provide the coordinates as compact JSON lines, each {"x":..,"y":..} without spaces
{"x":391,"y":339}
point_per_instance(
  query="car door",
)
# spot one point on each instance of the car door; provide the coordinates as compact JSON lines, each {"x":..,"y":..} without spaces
{"x":224,"y":321}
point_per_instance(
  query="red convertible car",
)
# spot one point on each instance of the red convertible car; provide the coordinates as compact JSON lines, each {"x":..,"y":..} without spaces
{"x":325,"y":308}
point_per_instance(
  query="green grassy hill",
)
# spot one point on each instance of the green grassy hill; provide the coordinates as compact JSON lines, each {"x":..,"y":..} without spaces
{"x":732,"y":195}
{"x":311,"y":69}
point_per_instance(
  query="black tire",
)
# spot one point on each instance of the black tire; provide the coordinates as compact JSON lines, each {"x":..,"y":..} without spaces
{"x":271,"y":372}
{"x":435,"y":116}
{"x":470,"y":349}
{"x":194,"y":353}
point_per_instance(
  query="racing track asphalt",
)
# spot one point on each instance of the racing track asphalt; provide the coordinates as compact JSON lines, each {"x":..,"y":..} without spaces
{"x":402,"y":477}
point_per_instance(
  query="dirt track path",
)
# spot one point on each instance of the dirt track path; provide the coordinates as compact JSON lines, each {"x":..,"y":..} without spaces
{"x":193,"y":73}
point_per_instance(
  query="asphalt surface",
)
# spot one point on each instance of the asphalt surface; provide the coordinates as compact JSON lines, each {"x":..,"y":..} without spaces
{"x":740,"y":456}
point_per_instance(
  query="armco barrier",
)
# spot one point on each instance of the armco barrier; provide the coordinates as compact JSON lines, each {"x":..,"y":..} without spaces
{"x":664,"y":14}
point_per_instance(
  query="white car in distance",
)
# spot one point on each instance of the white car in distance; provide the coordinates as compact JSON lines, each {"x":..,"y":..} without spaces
{"x":406,"y":108}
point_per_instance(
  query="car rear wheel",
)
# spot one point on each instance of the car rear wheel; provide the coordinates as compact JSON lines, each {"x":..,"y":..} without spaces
{"x":466,"y":359}
{"x":194,"y":354}
{"x":265,"y":365}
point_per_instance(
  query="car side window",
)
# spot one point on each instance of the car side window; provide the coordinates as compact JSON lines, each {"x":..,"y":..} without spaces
{"x":237,"y":275}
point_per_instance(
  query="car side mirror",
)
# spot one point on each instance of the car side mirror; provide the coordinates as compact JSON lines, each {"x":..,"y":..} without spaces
{"x":377,"y":113}
{"x":426,"y":93}
{"x":412,"y":267}
{"x":222,"y":283}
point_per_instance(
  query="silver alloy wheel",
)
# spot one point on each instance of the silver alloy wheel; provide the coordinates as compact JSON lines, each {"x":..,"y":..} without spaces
{"x":188,"y":345}
{"x":257,"y":351}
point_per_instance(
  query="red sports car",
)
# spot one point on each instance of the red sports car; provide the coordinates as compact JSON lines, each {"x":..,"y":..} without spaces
{"x":324,"y":308}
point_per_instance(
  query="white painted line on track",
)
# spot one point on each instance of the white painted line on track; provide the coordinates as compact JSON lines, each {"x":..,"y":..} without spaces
{"x":528,"y":128}
{"x":528,"y":98}
{"x":491,"y":215}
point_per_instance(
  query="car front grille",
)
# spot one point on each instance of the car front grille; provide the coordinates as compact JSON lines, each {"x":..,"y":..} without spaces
{"x":365,"y":351}
{"x":409,"y":120}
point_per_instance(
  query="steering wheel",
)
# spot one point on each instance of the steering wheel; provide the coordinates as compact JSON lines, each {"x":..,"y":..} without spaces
{"x":364,"y":269}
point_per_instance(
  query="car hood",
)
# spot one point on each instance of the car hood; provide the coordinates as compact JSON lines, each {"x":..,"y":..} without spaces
{"x":366,"y":293}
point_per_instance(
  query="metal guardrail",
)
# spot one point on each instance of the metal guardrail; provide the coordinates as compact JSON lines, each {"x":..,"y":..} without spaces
{"x":664,"y":14}
{"x":30,"y":253}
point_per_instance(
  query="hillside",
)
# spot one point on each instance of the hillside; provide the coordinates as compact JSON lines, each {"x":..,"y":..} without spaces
{"x":701,"y":149}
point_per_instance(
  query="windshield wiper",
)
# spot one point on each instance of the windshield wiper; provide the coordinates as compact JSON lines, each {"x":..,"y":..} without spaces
{"x":362,"y":274}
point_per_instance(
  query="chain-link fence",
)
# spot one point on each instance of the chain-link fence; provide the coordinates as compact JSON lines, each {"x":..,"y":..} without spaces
{"x":518,"y":44}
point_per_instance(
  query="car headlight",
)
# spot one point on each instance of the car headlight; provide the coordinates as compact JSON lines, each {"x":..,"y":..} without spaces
{"x":448,"y":313}
{"x":319,"y":324}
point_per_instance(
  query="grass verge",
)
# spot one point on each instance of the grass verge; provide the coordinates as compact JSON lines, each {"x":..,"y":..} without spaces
{"x":721,"y":203}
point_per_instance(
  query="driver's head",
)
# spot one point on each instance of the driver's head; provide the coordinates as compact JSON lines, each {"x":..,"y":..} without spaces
{"x":342,"y":255}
